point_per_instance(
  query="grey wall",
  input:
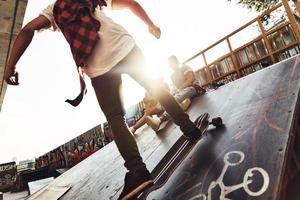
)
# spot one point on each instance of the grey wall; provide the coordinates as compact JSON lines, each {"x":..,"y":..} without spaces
{"x":11,"y":19}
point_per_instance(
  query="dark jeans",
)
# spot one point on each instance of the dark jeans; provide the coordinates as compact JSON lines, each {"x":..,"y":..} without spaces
{"x":107,"y":88}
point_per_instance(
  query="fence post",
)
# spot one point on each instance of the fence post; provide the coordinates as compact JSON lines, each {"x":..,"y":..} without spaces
{"x":234,"y":60}
{"x":265,"y":38}
{"x":291,"y":19}
{"x":210,"y":78}
{"x":297,"y":5}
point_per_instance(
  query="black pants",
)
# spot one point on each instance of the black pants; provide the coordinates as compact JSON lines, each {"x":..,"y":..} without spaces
{"x":107,"y":88}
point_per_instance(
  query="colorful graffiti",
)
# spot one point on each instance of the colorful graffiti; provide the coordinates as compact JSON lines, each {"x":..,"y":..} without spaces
{"x":79,"y":148}
{"x":7,"y":176}
{"x":83,"y":149}
{"x":74,"y":151}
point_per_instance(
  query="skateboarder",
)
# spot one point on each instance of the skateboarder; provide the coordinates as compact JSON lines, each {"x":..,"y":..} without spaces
{"x":104,"y":50}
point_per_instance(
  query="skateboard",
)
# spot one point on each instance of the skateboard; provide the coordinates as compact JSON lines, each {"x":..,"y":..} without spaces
{"x":162,"y":172}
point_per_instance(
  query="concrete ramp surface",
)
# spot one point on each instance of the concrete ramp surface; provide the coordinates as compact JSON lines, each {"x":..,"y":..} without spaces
{"x":247,"y":159}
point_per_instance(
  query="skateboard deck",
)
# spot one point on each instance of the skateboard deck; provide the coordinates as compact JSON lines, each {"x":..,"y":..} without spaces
{"x":176,"y":155}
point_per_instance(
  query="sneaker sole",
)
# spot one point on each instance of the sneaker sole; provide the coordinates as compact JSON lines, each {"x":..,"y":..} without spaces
{"x":137,"y":190}
{"x":202,"y":132}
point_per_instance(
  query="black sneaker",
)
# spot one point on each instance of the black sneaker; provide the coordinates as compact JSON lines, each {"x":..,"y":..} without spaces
{"x":200,"y":126}
{"x":193,"y":135}
{"x":135,"y":182}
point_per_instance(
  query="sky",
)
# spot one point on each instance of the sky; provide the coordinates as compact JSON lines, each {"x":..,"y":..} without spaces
{"x":35,"y":119}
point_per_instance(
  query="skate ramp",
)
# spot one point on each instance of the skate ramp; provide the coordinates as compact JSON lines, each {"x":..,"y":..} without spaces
{"x":248,"y":158}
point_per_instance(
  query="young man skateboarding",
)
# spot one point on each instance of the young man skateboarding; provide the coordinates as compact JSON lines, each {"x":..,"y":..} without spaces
{"x":104,"y":50}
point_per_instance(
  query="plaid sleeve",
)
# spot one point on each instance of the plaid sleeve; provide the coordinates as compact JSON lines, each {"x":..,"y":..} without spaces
{"x":48,"y":13}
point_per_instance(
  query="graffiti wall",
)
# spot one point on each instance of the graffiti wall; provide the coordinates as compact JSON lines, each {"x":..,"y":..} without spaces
{"x":74,"y":151}
{"x":7,"y":176}
{"x":84,"y":145}
{"x":79,"y":148}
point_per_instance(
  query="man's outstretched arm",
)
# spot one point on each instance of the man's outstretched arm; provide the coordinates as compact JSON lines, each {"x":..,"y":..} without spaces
{"x":20,"y":45}
{"x":139,"y":11}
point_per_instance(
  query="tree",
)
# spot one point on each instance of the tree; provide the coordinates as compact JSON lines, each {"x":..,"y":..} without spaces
{"x":260,"y":5}
{"x":257,"y":5}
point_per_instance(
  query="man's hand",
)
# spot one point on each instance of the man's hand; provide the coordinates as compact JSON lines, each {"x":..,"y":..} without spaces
{"x":11,"y":76}
{"x":154,"y":30}
{"x":21,"y":43}
{"x":139,"y":11}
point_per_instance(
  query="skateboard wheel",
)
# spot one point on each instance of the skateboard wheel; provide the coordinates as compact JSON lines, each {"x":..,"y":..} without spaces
{"x":217,"y":121}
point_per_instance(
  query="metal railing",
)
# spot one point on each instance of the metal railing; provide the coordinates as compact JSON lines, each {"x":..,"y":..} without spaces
{"x":270,"y":46}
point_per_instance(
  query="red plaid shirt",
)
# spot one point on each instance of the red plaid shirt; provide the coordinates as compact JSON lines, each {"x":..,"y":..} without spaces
{"x":75,"y":20}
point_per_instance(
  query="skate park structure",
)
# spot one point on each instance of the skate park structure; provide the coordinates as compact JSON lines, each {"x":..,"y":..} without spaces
{"x":254,"y":156}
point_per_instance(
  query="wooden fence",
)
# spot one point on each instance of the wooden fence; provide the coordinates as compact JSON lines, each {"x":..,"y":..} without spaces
{"x":271,"y":44}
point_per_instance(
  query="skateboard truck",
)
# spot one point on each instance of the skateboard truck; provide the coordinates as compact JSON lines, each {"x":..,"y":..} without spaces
{"x":202,"y":123}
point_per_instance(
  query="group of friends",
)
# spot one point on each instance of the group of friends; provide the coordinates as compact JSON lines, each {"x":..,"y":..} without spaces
{"x":103,"y":50}
{"x":185,"y":88}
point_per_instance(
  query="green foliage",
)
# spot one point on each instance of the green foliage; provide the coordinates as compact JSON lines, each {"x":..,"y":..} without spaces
{"x":257,"y":5}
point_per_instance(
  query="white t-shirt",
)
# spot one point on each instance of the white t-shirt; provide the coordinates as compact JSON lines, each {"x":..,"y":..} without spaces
{"x":115,"y":42}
